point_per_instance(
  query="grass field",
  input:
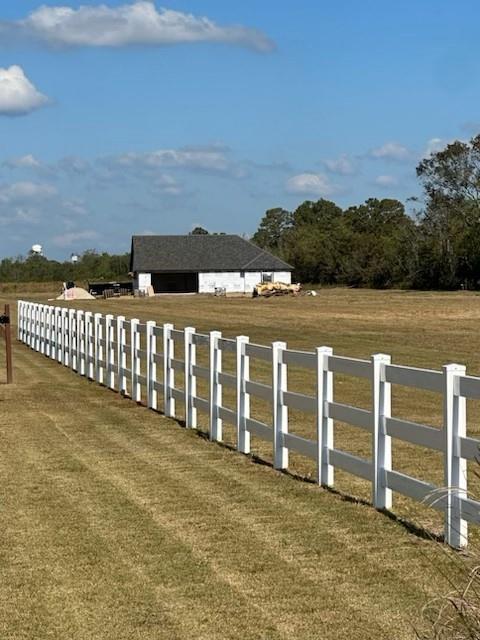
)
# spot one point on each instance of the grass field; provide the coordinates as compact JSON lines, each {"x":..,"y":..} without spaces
{"x":116,"y":523}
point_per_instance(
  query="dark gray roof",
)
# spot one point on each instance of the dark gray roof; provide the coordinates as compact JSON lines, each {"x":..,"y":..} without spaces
{"x":200,"y":253}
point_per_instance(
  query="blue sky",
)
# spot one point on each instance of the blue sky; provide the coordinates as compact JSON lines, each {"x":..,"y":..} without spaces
{"x":121,"y":118}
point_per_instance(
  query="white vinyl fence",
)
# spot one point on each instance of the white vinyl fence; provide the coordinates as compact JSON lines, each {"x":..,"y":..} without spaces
{"x":97,"y":347}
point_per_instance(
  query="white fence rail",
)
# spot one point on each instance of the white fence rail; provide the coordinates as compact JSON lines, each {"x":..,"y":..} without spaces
{"x":96,"y":346}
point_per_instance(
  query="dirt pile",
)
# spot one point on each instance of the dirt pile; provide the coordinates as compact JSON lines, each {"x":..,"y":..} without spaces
{"x":75,"y":293}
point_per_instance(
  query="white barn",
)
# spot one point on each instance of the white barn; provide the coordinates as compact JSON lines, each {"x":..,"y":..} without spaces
{"x":201,"y":263}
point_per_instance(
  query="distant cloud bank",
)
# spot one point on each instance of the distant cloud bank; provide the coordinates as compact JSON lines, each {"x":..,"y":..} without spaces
{"x":18,"y":96}
{"x":139,"y":23}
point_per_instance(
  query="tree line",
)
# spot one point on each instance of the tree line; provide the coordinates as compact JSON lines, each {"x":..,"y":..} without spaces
{"x":376,"y":244}
{"x":90,"y":266}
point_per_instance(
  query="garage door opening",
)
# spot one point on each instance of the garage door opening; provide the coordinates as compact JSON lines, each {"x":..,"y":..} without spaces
{"x":175,"y":282}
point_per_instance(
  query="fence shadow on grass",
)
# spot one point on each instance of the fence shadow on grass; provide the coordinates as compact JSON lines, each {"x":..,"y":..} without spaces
{"x":412,"y":528}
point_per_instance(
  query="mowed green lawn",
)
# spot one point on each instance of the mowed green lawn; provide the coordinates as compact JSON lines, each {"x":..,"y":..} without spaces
{"x":117,"y":523}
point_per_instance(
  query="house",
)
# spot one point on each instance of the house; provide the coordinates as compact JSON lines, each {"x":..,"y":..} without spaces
{"x":202,"y":263}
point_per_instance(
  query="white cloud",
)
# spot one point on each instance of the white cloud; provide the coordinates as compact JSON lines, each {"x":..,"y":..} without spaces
{"x":434,"y":145}
{"x":386,"y":181}
{"x":203,"y":158}
{"x":438,"y":144}
{"x":23,"y":162}
{"x":18,"y":96}
{"x":20,"y":215}
{"x":74,"y":237}
{"x":343,"y":166}
{"x":26,"y":192}
{"x":138,"y":23}
{"x":311,"y":183}
{"x":197,"y":159}
{"x":75,"y":207}
{"x":73,"y":164}
{"x":167,"y":184}
{"x":391,"y":151}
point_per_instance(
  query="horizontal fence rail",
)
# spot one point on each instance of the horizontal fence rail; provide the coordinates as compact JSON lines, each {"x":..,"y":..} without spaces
{"x":143,"y":361}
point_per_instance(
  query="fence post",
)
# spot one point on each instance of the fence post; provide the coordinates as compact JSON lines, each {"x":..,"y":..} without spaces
{"x":26,"y":326}
{"x":121,"y":355}
{"x":325,"y":471}
{"x":19,"y":319}
{"x":63,"y":331}
{"x":151,"y":365}
{"x":89,"y":345}
{"x":36,"y":342}
{"x":23,"y":336}
{"x":455,"y":474}
{"x":27,"y":323}
{"x":280,"y":410}
{"x":109,"y":351}
{"x":190,"y":379}
{"x":81,"y":340}
{"x":41,"y":330}
{"x":215,"y":399}
{"x":243,"y":398}
{"x":99,"y":348}
{"x":168,"y":372}
{"x":52,"y":331}
{"x":70,"y":354}
{"x":57,"y":323}
{"x":136,"y":391}
{"x":34,"y":334}
{"x":381,"y":443}
{"x":46,"y":331}
{"x":33,"y":326}
{"x":61,"y":335}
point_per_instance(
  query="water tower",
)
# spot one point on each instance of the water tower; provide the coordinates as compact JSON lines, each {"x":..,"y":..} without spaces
{"x":37,"y":249}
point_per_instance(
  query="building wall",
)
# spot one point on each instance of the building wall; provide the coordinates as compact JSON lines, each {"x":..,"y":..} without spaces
{"x":142,"y":281}
{"x":237,"y":281}
{"x":233,"y":281}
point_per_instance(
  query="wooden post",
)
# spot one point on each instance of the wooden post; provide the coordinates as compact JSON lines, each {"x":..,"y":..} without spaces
{"x":8,"y":344}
